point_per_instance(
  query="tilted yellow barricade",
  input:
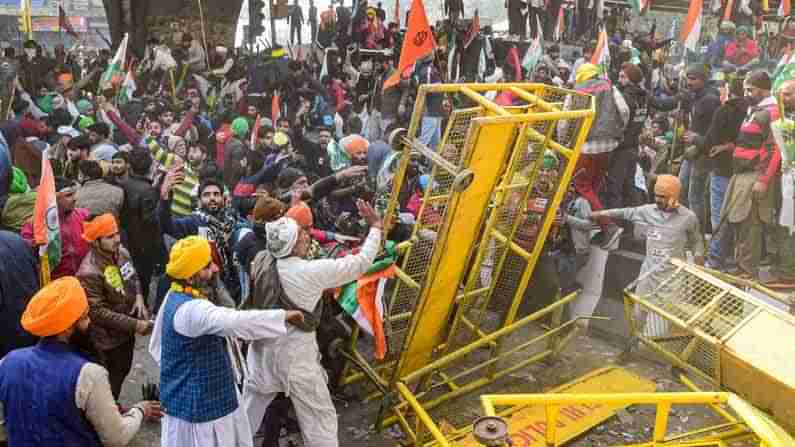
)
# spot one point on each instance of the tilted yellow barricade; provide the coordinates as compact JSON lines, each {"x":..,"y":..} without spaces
{"x":450,"y":316}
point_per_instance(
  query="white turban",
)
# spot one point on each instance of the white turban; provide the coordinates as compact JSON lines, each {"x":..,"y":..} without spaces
{"x":282,"y":235}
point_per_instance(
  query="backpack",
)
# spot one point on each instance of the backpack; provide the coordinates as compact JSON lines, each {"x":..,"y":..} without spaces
{"x":267,"y":292}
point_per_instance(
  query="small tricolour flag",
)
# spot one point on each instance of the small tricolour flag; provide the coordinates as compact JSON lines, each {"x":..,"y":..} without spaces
{"x":784,"y":8}
{"x":601,"y":55}
{"x":128,"y":87}
{"x":46,"y":226}
{"x":364,"y":301}
{"x":691,"y":29}
{"x":255,"y":132}
{"x":473,"y":31}
{"x":63,"y":22}
{"x":558,"y":34}
{"x":639,"y":6}
{"x":114,"y":74}
{"x":535,"y":50}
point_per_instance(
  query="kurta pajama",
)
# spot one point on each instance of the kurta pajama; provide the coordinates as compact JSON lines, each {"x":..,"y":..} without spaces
{"x":199,"y":318}
{"x":291,"y":364}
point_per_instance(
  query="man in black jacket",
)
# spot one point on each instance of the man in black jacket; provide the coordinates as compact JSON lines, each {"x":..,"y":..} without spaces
{"x":719,"y":143}
{"x":700,"y":101}
{"x":139,"y":220}
{"x":621,"y":188}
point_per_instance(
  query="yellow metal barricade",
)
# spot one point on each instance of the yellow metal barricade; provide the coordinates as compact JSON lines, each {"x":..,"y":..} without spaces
{"x":720,"y":334}
{"x":451,"y":313}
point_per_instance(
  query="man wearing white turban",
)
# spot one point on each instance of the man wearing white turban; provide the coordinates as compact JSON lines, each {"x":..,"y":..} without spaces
{"x":291,"y":364}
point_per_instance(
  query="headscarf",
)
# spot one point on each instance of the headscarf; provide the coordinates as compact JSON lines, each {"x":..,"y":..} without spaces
{"x":354,"y":145}
{"x":19,"y":181}
{"x":85,"y":122}
{"x":102,"y":226}
{"x":55,"y":308}
{"x":282,"y":236}
{"x":188,"y":256}
{"x":550,"y":160}
{"x":668,"y":186}
{"x":302,"y":214}
{"x":586,"y":72}
{"x":240,"y":127}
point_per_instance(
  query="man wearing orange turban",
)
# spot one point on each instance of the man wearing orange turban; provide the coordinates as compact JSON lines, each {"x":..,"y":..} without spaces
{"x":115,"y":298}
{"x":72,"y":397}
{"x":670,"y":229}
{"x":192,"y":343}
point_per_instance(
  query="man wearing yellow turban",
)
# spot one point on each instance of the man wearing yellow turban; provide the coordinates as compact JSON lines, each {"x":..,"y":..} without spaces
{"x":72,"y":399}
{"x":606,"y":132}
{"x":192,"y":341}
{"x":670,"y":229}
{"x":115,"y":298}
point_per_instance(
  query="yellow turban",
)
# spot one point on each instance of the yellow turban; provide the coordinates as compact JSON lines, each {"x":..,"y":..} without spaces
{"x":102,"y":226}
{"x":668,"y":186}
{"x":586,"y":72}
{"x":188,"y":256}
{"x":55,"y":308}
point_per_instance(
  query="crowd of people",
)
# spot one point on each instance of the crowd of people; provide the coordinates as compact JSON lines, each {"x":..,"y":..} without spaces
{"x":214,"y":202}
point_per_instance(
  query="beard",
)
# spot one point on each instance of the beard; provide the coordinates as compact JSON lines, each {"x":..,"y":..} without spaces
{"x":81,"y":342}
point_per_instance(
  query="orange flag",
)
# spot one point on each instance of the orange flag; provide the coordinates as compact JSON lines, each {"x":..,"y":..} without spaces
{"x":275,"y":109}
{"x":418,"y":42}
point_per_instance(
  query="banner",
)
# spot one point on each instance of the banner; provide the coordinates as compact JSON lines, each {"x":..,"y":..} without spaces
{"x":51,"y":23}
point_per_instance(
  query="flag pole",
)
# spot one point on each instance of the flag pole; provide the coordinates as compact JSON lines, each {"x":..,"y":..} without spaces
{"x":204,"y":35}
{"x":44,"y":270}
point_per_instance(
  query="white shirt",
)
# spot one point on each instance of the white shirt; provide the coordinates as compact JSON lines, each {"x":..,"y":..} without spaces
{"x":195,"y":319}
{"x":274,"y":364}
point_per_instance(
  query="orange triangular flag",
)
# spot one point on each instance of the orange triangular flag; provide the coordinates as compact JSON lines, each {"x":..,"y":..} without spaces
{"x":418,"y":42}
{"x":275,"y":108}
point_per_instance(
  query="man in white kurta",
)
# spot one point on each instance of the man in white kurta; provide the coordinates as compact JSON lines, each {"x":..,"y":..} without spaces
{"x":195,"y":319}
{"x":291,"y":364}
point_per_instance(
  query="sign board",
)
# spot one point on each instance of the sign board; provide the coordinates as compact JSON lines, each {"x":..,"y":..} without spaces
{"x":527,"y":427}
{"x":51,"y":23}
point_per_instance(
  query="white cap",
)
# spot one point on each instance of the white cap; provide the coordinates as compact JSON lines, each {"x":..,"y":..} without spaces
{"x":68,"y":131}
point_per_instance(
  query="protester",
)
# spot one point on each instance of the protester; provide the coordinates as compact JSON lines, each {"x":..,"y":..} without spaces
{"x":198,"y":377}
{"x":73,"y":400}
{"x":290,"y":364}
{"x":116,"y":301}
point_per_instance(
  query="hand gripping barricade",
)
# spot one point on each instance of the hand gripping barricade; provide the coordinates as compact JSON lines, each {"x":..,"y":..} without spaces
{"x":450,"y":315}
{"x":721,"y":334}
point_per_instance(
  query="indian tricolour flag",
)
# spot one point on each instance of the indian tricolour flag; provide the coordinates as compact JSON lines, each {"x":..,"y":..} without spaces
{"x":558,"y":34}
{"x":46,"y":227}
{"x":535,"y":50}
{"x":639,"y":6}
{"x":784,"y":8}
{"x":364,"y":301}
{"x":601,"y":55}
{"x":691,"y":29}
{"x":128,"y":87}
{"x":114,"y":74}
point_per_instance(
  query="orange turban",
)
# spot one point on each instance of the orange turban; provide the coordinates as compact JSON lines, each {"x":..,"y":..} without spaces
{"x":355,"y":145}
{"x":302,"y":214}
{"x":55,"y":308}
{"x":668,"y":186}
{"x":102,"y":226}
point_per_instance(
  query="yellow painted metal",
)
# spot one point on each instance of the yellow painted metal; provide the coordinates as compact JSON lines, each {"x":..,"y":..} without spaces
{"x":464,"y":270}
{"x":451,"y":256}
{"x":752,"y":424}
{"x":722,"y":334}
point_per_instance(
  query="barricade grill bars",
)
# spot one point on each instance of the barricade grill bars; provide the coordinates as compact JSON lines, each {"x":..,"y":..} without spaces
{"x":463,"y":273}
{"x":720,"y":334}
